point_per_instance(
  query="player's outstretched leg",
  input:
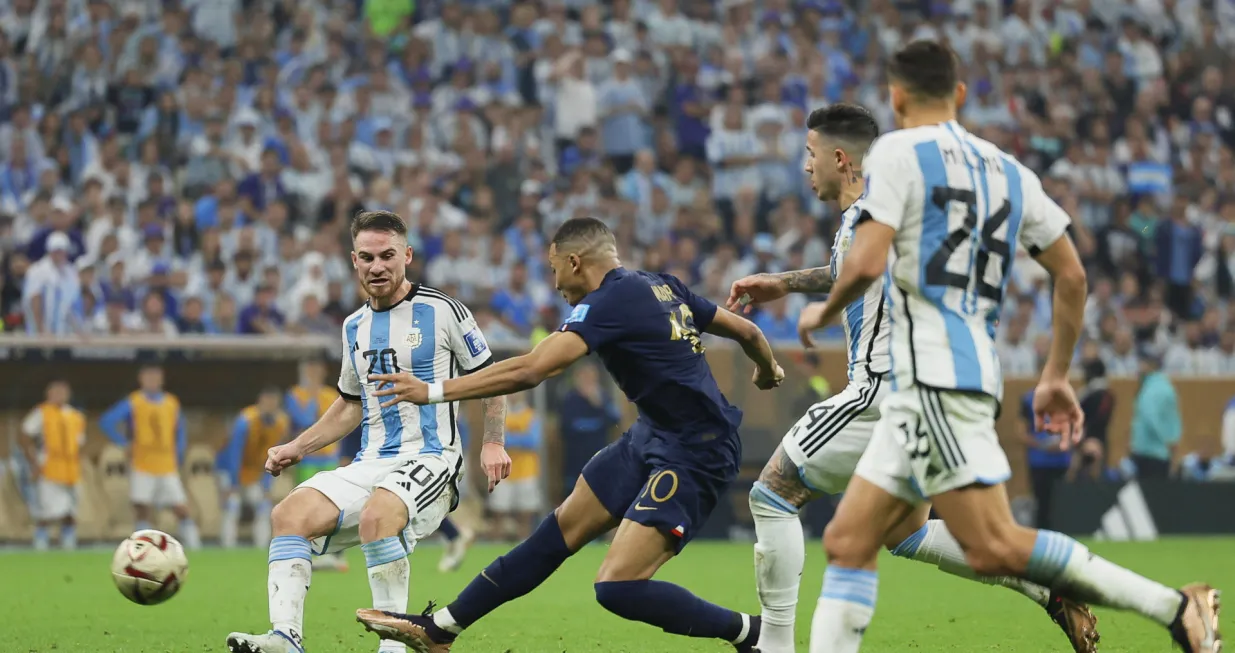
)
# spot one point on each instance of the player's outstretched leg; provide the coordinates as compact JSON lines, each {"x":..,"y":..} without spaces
{"x":579,"y":520}
{"x":305,"y":514}
{"x":780,"y":549}
{"x":933,"y":544}
{"x":625,"y":588}
{"x":458,"y":541}
{"x":994,"y":544}
{"x":383,"y":518}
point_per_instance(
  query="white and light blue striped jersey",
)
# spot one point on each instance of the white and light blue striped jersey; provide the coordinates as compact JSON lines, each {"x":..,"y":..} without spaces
{"x":866,"y":326}
{"x":429,"y":334}
{"x":959,"y":205}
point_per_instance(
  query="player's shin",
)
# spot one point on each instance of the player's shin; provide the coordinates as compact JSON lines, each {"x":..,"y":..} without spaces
{"x":780,"y":553}
{"x":68,"y":537}
{"x":389,"y":574}
{"x":261,"y":524}
{"x":290,"y":572}
{"x":518,"y":572}
{"x":1067,"y":566}
{"x":675,"y":609}
{"x":845,"y":609}
{"x":934,"y":544}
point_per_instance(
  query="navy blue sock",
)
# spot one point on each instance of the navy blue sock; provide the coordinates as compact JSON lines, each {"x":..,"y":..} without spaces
{"x":518,"y":572}
{"x":673,"y":609}
{"x":448,"y":530}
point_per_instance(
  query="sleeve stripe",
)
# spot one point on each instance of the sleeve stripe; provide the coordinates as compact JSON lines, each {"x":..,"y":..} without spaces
{"x":487,"y":363}
{"x":460,"y":311}
{"x":347,"y":395}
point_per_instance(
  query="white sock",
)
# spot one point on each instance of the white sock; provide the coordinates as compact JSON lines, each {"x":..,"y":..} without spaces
{"x":261,"y":524}
{"x":446,"y":621}
{"x":389,"y":572}
{"x":188,"y":533}
{"x":780,"y":554}
{"x":1061,"y":562}
{"x":68,"y":537}
{"x":845,"y":609}
{"x":290,"y":576}
{"x":42,"y":538}
{"x":231,"y":523}
{"x":934,"y":544}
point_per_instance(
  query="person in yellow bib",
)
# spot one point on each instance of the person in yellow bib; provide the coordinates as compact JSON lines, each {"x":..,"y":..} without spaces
{"x":242,"y":464}
{"x":305,"y":403}
{"x":149,"y":423}
{"x":52,"y":435}
{"x":519,"y":497}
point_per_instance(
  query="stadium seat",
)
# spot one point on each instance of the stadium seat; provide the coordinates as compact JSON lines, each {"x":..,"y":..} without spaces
{"x":203,"y":489}
{"x":113,"y":483}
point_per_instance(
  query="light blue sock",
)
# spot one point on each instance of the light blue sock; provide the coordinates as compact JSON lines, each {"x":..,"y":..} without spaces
{"x":42,"y":538}
{"x":68,"y":537}
{"x":845,"y":609}
{"x":385,"y":550}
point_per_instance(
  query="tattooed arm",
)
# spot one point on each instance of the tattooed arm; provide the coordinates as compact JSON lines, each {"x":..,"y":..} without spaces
{"x":762,"y":288}
{"x":493,"y":457}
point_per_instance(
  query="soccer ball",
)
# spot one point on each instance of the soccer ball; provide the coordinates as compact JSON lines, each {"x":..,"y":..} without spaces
{"x":149,"y":567}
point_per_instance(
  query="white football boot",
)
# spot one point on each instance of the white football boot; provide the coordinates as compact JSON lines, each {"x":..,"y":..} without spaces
{"x":275,"y":641}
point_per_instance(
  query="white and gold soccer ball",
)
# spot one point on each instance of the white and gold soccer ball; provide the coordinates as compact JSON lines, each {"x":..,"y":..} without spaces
{"x":149,"y":567}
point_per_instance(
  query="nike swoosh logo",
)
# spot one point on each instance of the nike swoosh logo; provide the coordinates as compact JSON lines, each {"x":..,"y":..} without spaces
{"x":643,"y":507}
{"x":486,"y":577}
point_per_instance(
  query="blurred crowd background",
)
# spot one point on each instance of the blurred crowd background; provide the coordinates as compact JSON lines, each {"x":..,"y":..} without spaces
{"x":191,"y":167}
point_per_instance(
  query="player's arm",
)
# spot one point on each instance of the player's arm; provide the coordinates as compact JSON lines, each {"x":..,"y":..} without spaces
{"x":766,"y":287}
{"x":121,"y":413}
{"x":548,"y":359}
{"x":182,"y":437}
{"x":1045,"y":235}
{"x":337,"y":422}
{"x":754,"y":344}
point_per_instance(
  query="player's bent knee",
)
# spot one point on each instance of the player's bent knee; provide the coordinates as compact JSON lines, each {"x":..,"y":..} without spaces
{"x":847,"y":547}
{"x":383,"y":515}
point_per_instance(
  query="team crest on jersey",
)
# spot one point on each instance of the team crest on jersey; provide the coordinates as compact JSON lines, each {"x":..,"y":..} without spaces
{"x":414,"y":338}
{"x":845,"y":243}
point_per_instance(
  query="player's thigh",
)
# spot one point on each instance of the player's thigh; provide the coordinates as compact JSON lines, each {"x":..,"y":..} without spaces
{"x":412,"y":489}
{"x":582,"y":516}
{"x":142,"y":488}
{"x":327,"y":507}
{"x":55,"y":500}
{"x":824,"y":446}
{"x":502,"y":499}
{"x":679,"y":496}
{"x":637,"y":552}
{"x":169,"y":491}
{"x":608,"y":484}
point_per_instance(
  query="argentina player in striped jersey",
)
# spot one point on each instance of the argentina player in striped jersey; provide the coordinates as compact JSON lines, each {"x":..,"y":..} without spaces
{"x":819,"y":453}
{"x":942,"y":213}
{"x":404,"y":481}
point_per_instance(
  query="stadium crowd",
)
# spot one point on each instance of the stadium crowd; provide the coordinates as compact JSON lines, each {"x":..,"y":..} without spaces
{"x":179,"y":167}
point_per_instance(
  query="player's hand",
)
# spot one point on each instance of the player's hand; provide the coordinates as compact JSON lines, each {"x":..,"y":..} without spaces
{"x":496,"y":463}
{"x":768,"y":379}
{"x":810,"y":319}
{"x":1056,"y":410}
{"x":281,"y":457}
{"x":755,"y":289}
{"x":403,"y":387}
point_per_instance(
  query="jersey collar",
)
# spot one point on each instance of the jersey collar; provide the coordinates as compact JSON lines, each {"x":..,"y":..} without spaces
{"x":410,"y":294}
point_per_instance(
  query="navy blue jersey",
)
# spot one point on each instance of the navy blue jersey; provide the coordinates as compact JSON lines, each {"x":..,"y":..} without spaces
{"x":645,"y":327}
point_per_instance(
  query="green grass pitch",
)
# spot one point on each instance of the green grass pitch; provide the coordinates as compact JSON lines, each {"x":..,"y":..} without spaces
{"x":65,"y":603}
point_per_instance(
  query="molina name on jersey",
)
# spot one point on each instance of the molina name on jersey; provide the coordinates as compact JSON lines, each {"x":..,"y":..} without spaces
{"x":427,"y":333}
{"x":866,"y":327}
{"x":959,"y":205}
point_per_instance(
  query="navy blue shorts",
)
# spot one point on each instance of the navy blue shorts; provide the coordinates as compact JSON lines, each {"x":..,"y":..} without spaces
{"x":672,"y":489}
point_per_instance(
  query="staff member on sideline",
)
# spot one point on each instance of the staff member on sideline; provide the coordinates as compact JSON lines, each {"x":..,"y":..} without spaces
{"x":1156,"y":426}
{"x":156,"y":440}
{"x":52,"y":435}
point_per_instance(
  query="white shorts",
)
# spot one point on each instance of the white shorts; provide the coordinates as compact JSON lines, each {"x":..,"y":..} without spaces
{"x":928,"y":442}
{"x":54,"y":500}
{"x":425,"y":483}
{"x":523,"y":495}
{"x":827,"y":442}
{"x":162,"y":491}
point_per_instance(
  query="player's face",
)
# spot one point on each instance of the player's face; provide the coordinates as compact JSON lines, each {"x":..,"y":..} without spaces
{"x":380,"y":259}
{"x":58,"y":394}
{"x":820,"y":167}
{"x":268,"y":403}
{"x":567,"y":275}
{"x":151,"y":379}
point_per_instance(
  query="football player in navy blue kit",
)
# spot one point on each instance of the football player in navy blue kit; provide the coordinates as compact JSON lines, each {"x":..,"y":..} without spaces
{"x":657,"y":484}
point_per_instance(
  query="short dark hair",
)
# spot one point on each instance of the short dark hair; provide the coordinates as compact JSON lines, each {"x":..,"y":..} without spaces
{"x":582,"y":235}
{"x":927,"y":69}
{"x":844,"y":121}
{"x":378,"y":221}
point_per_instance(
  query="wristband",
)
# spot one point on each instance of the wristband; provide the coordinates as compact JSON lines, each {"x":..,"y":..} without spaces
{"x":437,"y":393}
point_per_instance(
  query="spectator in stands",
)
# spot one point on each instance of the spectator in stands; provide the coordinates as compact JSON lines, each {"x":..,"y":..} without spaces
{"x":1048,"y":460}
{"x":1098,"y":404}
{"x":51,"y":290}
{"x":776,"y":323}
{"x":586,"y":416}
{"x":149,"y":423}
{"x":261,"y":316}
{"x":51,"y":438}
{"x":1178,"y":248}
{"x":192,"y":319}
{"x":1156,"y":425}
{"x":519,"y":498}
{"x":151,"y":319}
{"x":513,"y":303}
